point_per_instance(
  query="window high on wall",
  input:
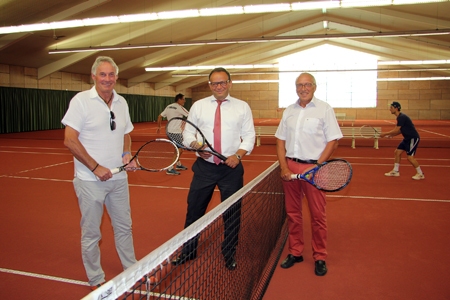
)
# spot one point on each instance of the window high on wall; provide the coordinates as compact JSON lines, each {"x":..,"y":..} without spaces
{"x":339,"y":76}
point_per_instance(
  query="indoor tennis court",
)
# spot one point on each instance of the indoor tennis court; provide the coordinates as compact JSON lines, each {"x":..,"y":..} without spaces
{"x":386,"y":235}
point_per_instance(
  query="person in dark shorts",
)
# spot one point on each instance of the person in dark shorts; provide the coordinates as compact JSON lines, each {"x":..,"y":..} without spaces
{"x":409,"y":143}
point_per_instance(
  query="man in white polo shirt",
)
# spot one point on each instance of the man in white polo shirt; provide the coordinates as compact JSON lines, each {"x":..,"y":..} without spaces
{"x":173,"y":110}
{"x":97,"y":133}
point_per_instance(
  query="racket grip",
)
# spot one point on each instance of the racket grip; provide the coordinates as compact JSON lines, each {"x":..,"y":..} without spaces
{"x":296,"y":176}
{"x":116,"y":170}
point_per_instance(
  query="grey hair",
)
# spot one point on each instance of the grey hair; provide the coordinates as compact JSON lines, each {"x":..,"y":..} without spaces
{"x":102,"y":59}
{"x":313,"y":78}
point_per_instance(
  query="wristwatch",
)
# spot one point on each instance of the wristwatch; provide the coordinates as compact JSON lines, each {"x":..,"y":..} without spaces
{"x":238,"y":156}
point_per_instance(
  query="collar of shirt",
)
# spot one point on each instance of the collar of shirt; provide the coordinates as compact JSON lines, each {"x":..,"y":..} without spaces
{"x":311,"y":103}
{"x":93,"y":94}
{"x":227,"y":99}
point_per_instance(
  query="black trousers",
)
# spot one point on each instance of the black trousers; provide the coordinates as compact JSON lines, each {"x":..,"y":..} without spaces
{"x":206,"y":177}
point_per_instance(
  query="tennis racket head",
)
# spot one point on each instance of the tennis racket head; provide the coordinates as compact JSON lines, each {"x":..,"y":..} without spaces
{"x":154,"y":156}
{"x":174,"y":131}
{"x":157,"y":155}
{"x":368,"y":132}
{"x":333,"y":175}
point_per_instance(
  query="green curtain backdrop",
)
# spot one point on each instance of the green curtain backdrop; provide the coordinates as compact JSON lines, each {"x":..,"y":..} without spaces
{"x":35,"y":109}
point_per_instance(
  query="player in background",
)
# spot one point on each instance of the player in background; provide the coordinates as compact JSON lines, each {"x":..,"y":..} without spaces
{"x":173,"y":110}
{"x":409,"y":143}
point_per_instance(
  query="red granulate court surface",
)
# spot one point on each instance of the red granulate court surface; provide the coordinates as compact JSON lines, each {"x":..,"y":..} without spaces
{"x":387,"y":236}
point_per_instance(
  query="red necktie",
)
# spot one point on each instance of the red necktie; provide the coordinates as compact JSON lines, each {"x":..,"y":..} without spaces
{"x":217,"y":132}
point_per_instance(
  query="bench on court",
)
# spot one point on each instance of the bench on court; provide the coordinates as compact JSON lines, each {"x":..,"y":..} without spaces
{"x":347,"y":132}
{"x":353,"y":133}
{"x":343,"y":117}
{"x":264,"y":131}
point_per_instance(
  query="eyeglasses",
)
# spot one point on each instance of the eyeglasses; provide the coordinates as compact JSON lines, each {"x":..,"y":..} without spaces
{"x":112,"y":124}
{"x":307,"y":85}
{"x":221,"y":83}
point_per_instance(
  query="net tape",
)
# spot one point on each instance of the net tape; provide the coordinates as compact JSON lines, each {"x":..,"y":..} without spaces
{"x":262,"y":235}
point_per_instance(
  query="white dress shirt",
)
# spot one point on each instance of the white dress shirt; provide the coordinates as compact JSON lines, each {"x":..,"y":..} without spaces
{"x":307,"y":131}
{"x":237,"y":128}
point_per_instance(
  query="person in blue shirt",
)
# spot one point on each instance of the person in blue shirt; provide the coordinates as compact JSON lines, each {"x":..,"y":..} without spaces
{"x":409,"y":143}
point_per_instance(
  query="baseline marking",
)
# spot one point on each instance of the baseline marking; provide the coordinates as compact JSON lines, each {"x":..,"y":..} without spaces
{"x":42,"y":276}
{"x":435,"y":133}
{"x":389,"y":198}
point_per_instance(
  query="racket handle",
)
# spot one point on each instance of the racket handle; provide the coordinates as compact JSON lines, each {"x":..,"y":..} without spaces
{"x":116,"y":170}
{"x":296,"y":176}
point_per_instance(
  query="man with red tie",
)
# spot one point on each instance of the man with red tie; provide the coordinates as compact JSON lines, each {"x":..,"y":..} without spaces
{"x":227,"y":124}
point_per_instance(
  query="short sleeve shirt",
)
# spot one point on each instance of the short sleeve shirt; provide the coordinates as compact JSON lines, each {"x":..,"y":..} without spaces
{"x":174,"y":110}
{"x":90,"y":116}
{"x":307,"y":130}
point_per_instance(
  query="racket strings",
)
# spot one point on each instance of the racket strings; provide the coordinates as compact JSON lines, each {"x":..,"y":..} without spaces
{"x":174,"y":132}
{"x":157,"y":155}
{"x":333,"y":175}
{"x":368,"y":132}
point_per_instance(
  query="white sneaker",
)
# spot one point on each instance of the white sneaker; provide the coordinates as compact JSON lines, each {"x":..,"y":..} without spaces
{"x":392,"y":173}
{"x":418,"y":176}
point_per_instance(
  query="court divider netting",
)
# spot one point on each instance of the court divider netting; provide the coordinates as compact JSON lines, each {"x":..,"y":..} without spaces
{"x":258,"y":210}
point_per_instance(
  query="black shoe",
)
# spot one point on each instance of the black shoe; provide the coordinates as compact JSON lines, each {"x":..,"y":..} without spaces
{"x":183,"y":258}
{"x":291,"y":260}
{"x":231,"y":263}
{"x":321,"y":268}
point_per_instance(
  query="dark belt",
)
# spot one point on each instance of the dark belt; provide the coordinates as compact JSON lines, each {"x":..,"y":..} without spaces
{"x":301,"y":161}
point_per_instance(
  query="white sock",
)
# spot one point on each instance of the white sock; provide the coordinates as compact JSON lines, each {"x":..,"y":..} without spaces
{"x":179,"y":163}
{"x":419,"y":170}
{"x":396,"y":167}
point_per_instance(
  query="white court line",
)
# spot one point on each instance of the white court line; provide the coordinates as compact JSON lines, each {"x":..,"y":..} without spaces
{"x":328,"y":194}
{"x":391,"y":158}
{"x":435,"y":133}
{"x":78,"y":282}
{"x":67,"y":180}
{"x":28,"y":147}
{"x":35,"y":169}
{"x":389,"y":198}
{"x":26,"y":152}
{"x":159,"y":186}
{"x":422,"y":165}
{"x":45,"y":167}
{"x":35,"y":178}
{"x":42,"y":276}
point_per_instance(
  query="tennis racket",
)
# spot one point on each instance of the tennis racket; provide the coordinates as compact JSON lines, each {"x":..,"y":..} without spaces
{"x":174,"y":131}
{"x":154,"y":156}
{"x":330,"y":176}
{"x":368,"y":132}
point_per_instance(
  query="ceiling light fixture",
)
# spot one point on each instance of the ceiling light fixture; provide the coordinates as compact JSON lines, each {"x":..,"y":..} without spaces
{"x":310,"y":71}
{"x":191,"y":68}
{"x":378,"y":79}
{"x":414,"y":62}
{"x":414,"y":79}
{"x":292,"y":38}
{"x":182,"y":75}
{"x":255,"y":81}
{"x":192,"y":13}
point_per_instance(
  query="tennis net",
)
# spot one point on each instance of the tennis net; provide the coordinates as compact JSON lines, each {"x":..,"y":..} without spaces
{"x":258,"y":210}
